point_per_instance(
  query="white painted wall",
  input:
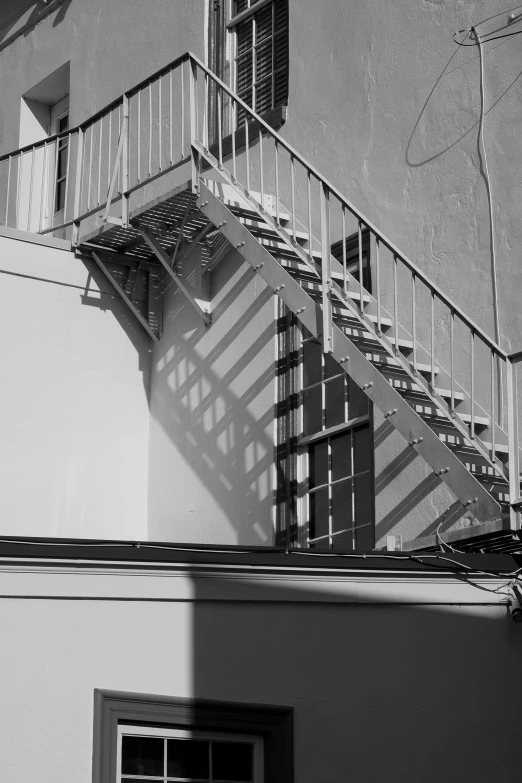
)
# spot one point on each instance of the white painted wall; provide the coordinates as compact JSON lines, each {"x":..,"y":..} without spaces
{"x":73,"y":399}
{"x":212,"y":413}
{"x":391,"y":679}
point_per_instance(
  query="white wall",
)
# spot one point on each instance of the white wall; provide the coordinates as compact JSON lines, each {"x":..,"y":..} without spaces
{"x":390,"y":679}
{"x":73,"y":399}
{"x":212,"y":413}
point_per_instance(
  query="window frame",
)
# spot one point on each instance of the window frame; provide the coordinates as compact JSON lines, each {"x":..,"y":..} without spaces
{"x":274,"y":723}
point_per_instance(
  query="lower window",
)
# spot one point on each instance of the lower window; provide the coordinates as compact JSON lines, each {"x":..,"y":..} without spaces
{"x":152,"y":754}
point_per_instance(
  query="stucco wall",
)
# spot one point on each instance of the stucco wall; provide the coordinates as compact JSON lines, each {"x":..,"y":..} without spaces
{"x":212,"y":412}
{"x":74,"y":421}
{"x":380,"y":689}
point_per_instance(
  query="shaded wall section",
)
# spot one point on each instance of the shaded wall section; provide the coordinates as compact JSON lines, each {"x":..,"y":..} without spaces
{"x":75,"y":376}
{"x":212,"y":411}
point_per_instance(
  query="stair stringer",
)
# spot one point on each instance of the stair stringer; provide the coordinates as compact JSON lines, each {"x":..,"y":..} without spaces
{"x":412,"y":427}
{"x":386,"y":343}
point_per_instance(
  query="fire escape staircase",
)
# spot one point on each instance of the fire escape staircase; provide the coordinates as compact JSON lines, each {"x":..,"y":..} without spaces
{"x":470,"y":449}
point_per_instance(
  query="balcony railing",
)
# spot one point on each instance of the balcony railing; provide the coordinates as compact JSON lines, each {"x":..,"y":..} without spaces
{"x":163,"y":123}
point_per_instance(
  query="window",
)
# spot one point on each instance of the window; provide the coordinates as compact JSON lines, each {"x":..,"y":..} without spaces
{"x":260,"y":52}
{"x":151,"y":754}
{"x":325,"y":444}
{"x":60,"y":185}
{"x":160,"y":739}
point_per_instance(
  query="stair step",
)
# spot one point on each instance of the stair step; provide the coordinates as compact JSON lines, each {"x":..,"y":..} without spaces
{"x":316,"y":287}
{"x":428,"y":410}
{"x":386,"y":360}
{"x":360,"y":333}
{"x":258,"y":227}
{"x":408,"y":387}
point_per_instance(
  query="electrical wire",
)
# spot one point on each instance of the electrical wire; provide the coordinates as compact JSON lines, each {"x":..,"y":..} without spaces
{"x":496,"y":318}
{"x":484,"y":40}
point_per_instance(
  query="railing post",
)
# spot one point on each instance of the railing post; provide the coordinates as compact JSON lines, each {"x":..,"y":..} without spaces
{"x":125,"y":165}
{"x":193,"y":97}
{"x":513,"y":439}
{"x":326,"y":274}
{"x":78,"y":188}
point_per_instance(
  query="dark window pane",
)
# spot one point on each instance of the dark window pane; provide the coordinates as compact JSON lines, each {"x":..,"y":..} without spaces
{"x":264,"y":95}
{"x":263,"y":60}
{"x":264,"y":22}
{"x":239,"y":6}
{"x":188,"y":758}
{"x":142,"y":756}
{"x":318,"y":513}
{"x":364,"y":538}
{"x":281,"y":13}
{"x":343,"y":541}
{"x":244,"y":36}
{"x":313,"y":410}
{"x":357,"y":401}
{"x":334,"y":402}
{"x":363,"y":500}
{"x":362,"y":449}
{"x":232,"y":760}
{"x":319,"y":463}
{"x":312,"y":353}
{"x":341,"y":455}
{"x":341,"y":505}
{"x":62,"y":163}
{"x":63,"y":123}
{"x":60,"y":195}
{"x":331,"y":367}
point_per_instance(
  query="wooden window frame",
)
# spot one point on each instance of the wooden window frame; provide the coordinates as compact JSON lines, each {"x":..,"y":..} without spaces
{"x":113,"y":708}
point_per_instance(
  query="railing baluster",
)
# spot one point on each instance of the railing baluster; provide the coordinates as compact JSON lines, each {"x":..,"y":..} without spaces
{"x":395,"y":307}
{"x":139,"y":138}
{"x":309,"y":197}
{"x":452,"y":362}
{"x":193,"y":103}
{"x":361,"y":285}
{"x":8,"y":189}
{"x":43,"y":190}
{"x":30,"y":191}
{"x":432,"y":329}
{"x":234,"y":172}
{"x":261,"y":178}
{"x":247,"y":155}
{"x":125,"y":164}
{"x":276,"y":153}
{"x":159,"y":123}
{"x":150,"y":129}
{"x":345,"y":276}
{"x":292,"y":179}
{"x":472,"y":352}
{"x":493,"y":420}
{"x":205,"y":115}
{"x":219,"y":130}
{"x":109,"y":141}
{"x":78,"y":187}
{"x":414,"y":321}
{"x":19,"y":188}
{"x":182,"y":110}
{"x":170,"y":114}
{"x":67,"y":170}
{"x":89,"y":178}
{"x":99,"y":161}
{"x":513,"y":436}
{"x":326,"y":270}
{"x":378,"y":285}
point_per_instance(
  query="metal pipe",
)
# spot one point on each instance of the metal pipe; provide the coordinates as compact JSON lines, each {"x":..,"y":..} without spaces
{"x":309,"y":196}
{"x":19,"y":188}
{"x":150,"y":129}
{"x":276,"y":152}
{"x":220,"y":134}
{"x":139,"y":139}
{"x":205,"y":115}
{"x":395,"y":306}
{"x":90,"y":168}
{"x":261,"y":178}
{"x":472,"y":351}
{"x":493,"y":425}
{"x":345,"y":276}
{"x":67,"y":170}
{"x":452,"y":360}
{"x":182,"y":111}
{"x":414,"y":322}
{"x":432,"y":325}
{"x":361,"y":286}
{"x":292,"y":178}
{"x":378,"y":285}
{"x":53,"y":200}
{"x":99,"y":162}
{"x":8,"y":189}
{"x":159,"y":123}
{"x":234,"y":172}
{"x":42,"y":189}
{"x":109,"y":152}
{"x":170,"y":118}
{"x":247,"y":156}
{"x":78,"y":187}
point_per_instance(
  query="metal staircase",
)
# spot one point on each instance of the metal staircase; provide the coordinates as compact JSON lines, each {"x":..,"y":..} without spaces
{"x":436,"y":376}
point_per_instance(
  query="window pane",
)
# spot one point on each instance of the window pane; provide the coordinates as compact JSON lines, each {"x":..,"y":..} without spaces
{"x":363,"y":499}
{"x":334,"y":404}
{"x":312,"y":352}
{"x":341,"y":505}
{"x":263,"y":22}
{"x":318,"y":513}
{"x":63,"y":123}
{"x":142,"y":756}
{"x":232,"y":761}
{"x":362,"y":449}
{"x":244,"y":36}
{"x":331,"y":367}
{"x":364,"y":538}
{"x":357,"y":401}
{"x":62,"y":163}
{"x":313,"y":411}
{"x":281,"y":14}
{"x":188,"y":758}
{"x":244,"y":74}
{"x":319,"y":463}
{"x":239,"y":6}
{"x":60,"y":195}
{"x":343,"y":541}
{"x":264,"y":61}
{"x":341,"y":455}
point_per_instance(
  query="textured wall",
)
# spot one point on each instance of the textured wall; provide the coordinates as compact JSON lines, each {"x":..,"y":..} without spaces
{"x":212,"y":412}
{"x":74,"y":410}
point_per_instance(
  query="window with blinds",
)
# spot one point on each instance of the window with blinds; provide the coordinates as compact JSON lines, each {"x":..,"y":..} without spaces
{"x":260,"y":28}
